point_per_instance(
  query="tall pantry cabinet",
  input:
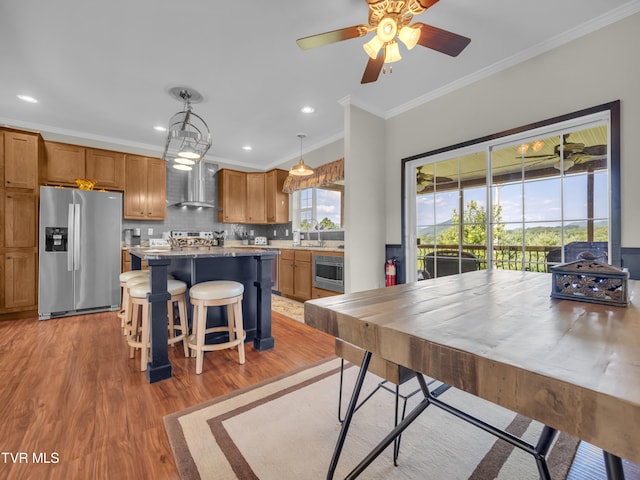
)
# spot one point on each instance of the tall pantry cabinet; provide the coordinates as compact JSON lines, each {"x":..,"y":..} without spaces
{"x":20,"y":153}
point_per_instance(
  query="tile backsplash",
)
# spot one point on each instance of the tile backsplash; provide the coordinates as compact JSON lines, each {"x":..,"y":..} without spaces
{"x":205,"y":219}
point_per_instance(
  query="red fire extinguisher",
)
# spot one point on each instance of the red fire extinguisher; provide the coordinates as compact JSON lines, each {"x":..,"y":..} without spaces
{"x":390,"y":272}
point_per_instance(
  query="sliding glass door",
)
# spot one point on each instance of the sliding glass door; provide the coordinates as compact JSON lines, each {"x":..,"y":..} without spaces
{"x":524,"y":201}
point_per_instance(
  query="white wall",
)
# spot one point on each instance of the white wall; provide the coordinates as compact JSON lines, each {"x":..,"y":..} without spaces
{"x":364,"y":200}
{"x":598,"y":68}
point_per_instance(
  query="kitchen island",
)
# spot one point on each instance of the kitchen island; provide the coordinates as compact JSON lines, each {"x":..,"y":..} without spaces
{"x":249,"y":266}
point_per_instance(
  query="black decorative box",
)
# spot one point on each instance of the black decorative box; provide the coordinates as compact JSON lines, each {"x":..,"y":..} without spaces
{"x":587,"y":280}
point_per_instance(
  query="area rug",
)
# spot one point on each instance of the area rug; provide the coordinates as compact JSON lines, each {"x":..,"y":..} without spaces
{"x":286,"y":428}
{"x":287,"y":307}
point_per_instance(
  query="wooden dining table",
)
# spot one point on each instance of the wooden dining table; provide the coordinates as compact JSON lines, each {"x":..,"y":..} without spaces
{"x":574,"y":366}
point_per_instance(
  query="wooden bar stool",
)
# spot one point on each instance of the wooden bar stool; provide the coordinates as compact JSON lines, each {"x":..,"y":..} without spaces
{"x":133,"y":280}
{"x":211,"y":294}
{"x":124,"y":277}
{"x":139,"y":333}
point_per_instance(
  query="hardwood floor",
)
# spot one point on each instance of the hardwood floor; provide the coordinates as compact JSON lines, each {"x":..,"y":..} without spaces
{"x":70,"y":395}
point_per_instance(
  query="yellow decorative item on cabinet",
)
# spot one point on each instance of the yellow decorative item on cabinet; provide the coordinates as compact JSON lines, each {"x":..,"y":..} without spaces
{"x":85,"y":184}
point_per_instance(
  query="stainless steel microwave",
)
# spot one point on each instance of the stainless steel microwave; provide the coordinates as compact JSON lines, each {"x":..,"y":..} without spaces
{"x":328,"y":272}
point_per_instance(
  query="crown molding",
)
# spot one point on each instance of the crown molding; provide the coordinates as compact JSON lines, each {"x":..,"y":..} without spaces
{"x":591,"y":26}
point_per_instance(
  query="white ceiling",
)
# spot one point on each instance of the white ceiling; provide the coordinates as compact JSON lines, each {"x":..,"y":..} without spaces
{"x":101,"y":69}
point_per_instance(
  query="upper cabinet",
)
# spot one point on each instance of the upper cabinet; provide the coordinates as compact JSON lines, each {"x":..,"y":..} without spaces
{"x":20,"y":159}
{"x":232,"y":196}
{"x":277,"y":201}
{"x":145,"y":188}
{"x":256,"y":191}
{"x":254,"y":197}
{"x":65,"y":163}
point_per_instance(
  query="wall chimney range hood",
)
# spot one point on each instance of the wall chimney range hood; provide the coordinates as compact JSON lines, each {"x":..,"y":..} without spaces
{"x":199,"y":178}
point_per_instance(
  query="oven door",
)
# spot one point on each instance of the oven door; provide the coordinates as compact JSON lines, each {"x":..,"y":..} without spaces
{"x":328,"y":273}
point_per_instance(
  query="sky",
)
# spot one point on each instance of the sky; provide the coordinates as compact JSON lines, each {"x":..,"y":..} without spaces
{"x":543,"y":201}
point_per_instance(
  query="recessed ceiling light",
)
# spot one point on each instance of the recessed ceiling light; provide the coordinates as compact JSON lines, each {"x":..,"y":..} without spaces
{"x":27,"y":98}
{"x":248,"y":148}
{"x":307,"y":109}
{"x":160,"y":128}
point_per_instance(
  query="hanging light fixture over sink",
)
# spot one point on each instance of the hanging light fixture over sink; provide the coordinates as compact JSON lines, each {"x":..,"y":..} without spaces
{"x":300,"y":169}
{"x":188,"y":136}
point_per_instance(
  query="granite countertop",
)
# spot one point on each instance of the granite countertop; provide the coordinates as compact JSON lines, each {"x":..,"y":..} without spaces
{"x":199,"y":252}
{"x":289,"y":246}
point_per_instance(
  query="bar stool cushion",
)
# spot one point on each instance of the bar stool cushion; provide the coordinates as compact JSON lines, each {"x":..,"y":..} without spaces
{"x":124,"y":276}
{"x":174,"y":287}
{"x":216,"y":290}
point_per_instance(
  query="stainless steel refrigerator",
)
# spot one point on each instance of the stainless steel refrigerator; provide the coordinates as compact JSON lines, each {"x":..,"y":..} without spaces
{"x":80,"y":251}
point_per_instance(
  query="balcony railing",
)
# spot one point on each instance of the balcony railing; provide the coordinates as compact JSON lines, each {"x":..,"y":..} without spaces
{"x":507,"y":257}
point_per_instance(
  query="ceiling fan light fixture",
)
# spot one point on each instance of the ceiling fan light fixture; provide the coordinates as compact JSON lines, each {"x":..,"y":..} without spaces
{"x":373,"y":46}
{"x":387,"y":29}
{"x":563,"y":166}
{"x":538,"y":145}
{"x":392,"y":52}
{"x":300,"y":169}
{"x":409,"y":36}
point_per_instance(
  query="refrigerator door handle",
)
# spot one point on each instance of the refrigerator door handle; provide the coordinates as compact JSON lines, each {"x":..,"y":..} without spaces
{"x":76,"y":240}
{"x":71,"y":239}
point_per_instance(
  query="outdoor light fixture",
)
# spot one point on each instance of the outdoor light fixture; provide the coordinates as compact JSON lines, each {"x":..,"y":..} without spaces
{"x":300,"y":169}
{"x":188,"y":136}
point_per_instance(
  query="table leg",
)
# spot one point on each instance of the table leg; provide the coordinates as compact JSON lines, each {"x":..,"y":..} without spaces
{"x":613,"y":465}
{"x":349,"y":415}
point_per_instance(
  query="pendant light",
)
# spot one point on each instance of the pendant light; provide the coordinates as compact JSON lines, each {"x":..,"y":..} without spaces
{"x":300,"y":169}
{"x":188,"y":137}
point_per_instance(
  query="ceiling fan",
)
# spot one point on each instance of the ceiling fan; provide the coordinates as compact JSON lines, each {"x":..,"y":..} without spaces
{"x":574,"y":153}
{"x":426,"y":181}
{"x":390,"y":20}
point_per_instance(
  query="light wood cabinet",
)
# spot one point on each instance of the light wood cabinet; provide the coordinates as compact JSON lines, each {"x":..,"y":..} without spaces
{"x":20,"y":219}
{"x":20,"y":280}
{"x":105,"y":167}
{"x":232,"y":196}
{"x":20,"y":160}
{"x":294,"y":273}
{"x":252,"y":197}
{"x":65,"y":163}
{"x":256,"y":189}
{"x":145,"y":188}
{"x":20,"y":155}
{"x":277,"y":201}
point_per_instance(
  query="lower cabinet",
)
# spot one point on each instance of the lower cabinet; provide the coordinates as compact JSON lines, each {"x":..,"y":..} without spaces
{"x":19,"y":276}
{"x":294,"y":273}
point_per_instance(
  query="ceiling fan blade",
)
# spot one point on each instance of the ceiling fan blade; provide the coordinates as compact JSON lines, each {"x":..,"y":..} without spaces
{"x":595,"y":150}
{"x":372,"y":71}
{"x":333,"y":36}
{"x":442,"y":41}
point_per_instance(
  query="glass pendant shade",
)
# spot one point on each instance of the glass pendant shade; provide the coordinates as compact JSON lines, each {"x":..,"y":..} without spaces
{"x":392,"y":53}
{"x":179,"y":166}
{"x":188,"y":135}
{"x":300,"y":169}
{"x":373,"y":46}
{"x":184,"y":161}
{"x":409,"y":36}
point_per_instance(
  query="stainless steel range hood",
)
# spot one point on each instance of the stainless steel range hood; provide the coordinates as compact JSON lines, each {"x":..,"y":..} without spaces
{"x":200,"y":187}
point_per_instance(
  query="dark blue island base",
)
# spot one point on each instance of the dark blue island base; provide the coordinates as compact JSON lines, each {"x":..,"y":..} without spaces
{"x":251,"y":267}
